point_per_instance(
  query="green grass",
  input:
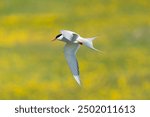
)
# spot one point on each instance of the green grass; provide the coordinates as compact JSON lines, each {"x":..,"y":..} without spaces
{"x":33,"y":67}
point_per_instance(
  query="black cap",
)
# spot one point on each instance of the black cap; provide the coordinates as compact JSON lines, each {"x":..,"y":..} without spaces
{"x":58,"y":36}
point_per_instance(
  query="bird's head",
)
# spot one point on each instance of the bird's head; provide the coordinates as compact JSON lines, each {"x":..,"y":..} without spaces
{"x":59,"y":37}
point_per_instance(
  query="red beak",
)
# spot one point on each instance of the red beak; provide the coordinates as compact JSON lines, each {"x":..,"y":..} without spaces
{"x":54,"y":39}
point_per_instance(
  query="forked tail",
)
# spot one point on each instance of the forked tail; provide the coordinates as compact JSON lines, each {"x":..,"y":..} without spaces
{"x":89,"y":43}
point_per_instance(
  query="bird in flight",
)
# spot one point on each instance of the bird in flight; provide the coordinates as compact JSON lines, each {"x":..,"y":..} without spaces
{"x":73,"y":42}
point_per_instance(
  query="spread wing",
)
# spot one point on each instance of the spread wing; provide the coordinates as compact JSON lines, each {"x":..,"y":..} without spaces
{"x":71,"y":36}
{"x":70,"y":54}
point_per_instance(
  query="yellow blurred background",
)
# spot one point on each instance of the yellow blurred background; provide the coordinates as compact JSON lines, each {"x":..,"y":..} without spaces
{"x":33,"y":67}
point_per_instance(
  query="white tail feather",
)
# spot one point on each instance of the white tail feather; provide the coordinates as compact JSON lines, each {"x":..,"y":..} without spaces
{"x":89,"y":43}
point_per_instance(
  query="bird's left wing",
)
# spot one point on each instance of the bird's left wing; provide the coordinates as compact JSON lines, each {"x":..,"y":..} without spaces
{"x":69,"y":35}
{"x":70,"y":54}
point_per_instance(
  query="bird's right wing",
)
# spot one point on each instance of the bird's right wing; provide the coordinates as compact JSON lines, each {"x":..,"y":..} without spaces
{"x":70,"y":54}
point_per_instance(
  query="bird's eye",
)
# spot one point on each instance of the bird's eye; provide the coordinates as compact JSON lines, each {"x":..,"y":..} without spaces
{"x":58,"y":36}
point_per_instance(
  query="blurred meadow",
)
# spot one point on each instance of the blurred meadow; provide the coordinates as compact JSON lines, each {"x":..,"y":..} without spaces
{"x":33,"y":67}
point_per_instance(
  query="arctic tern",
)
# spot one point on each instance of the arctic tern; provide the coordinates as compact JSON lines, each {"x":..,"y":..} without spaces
{"x":73,"y":42}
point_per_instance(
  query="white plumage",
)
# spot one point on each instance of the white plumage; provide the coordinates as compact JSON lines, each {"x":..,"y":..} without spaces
{"x":73,"y":42}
